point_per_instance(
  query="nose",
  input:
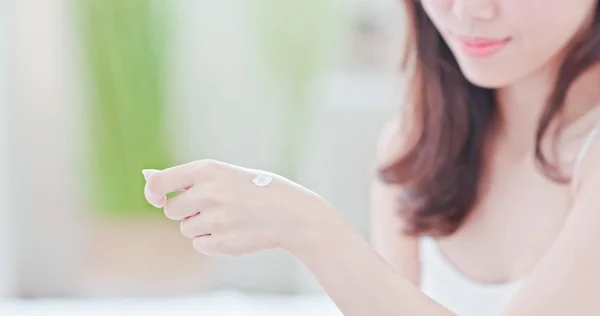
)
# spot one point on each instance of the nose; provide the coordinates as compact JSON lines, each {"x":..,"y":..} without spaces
{"x":467,"y":10}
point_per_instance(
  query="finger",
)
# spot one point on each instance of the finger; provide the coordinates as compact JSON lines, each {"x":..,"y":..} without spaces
{"x":208,"y":245}
{"x":202,"y":224}
{"x":188,"y":203}
{"x":155,"y":201}
{"x":148,"y":172}
{"x":160,"y":183}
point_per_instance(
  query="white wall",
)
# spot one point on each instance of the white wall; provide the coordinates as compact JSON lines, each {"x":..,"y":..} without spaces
{"x":7,"y":264}
{"x":41,"y":157}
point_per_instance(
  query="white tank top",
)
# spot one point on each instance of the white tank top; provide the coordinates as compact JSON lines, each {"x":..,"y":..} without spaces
{"x":449,"y":287}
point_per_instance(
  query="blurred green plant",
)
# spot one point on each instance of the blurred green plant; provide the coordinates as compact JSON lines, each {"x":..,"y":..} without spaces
{"x":125,"y":46}
{"x":298,"y":38}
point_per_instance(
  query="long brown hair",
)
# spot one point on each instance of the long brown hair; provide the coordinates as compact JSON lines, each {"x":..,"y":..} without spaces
{"x":449,"y":119}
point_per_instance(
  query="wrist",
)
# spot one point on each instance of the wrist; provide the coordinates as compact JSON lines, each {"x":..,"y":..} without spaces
{"x":324,"y":232}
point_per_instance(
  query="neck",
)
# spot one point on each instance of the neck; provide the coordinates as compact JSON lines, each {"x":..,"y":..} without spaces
{"x":522,"y":104}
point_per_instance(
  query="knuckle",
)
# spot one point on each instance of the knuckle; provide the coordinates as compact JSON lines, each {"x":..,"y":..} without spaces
{"x":170,"y":210}
{"x":220,"y":243}
{"x":209,"y":166}
{"x":199,"y":245}
{"x":220,"y":223}
{"x":212,"y":194}
{"x":206,"y":245}
{"x":186,"y":229}
{"x":226,"y":246}
{"x":169,"y":214}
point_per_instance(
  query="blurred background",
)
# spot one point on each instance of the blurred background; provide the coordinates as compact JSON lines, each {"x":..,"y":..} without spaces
{"x":94,"y":91}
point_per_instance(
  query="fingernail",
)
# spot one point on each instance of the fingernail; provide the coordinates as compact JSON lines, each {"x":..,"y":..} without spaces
{"x":148,"y":172}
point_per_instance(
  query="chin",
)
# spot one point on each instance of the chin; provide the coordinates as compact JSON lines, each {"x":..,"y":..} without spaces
{"x":487,"y":78}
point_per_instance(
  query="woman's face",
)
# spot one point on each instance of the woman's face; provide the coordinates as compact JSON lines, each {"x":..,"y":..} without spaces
{"x":498,"y":42}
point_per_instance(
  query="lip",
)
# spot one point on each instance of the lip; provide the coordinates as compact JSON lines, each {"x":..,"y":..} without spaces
{"x":481,"y":47}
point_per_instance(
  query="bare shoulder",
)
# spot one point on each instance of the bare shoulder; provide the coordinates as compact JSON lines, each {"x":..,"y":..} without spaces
{"x":390,"y":142}
{"x":399,"y":250}
{"x":580,"y":146}
{"x":572,"y":259}
{"x":588,"y":168}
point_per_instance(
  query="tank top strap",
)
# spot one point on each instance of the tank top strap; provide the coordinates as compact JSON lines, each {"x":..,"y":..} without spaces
{"x":585,"y":147}
{"x":581,"y":155}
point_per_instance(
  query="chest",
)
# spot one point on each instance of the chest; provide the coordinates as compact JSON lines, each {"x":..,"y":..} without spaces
{"x":518,"y":217}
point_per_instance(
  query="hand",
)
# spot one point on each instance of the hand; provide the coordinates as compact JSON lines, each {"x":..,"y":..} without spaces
{"x":225,"y":213}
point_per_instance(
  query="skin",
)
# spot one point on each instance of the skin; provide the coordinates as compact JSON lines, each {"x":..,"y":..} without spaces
{"x":224,"y":213}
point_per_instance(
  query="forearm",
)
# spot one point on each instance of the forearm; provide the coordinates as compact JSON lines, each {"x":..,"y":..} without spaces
{"x":358,"y":280}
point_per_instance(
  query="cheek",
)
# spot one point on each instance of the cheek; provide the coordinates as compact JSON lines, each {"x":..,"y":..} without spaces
{"x":437,"y":10}
{"x":533,"y":25}
{"x":536,"y":20}
{"x":547,"y":21}
{"x":544,"y":27}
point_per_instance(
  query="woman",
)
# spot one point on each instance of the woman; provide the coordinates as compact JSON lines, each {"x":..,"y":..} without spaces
{"x":490,"y":195}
